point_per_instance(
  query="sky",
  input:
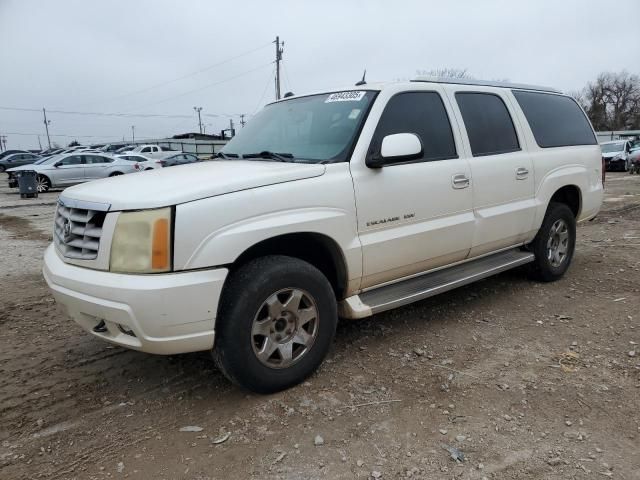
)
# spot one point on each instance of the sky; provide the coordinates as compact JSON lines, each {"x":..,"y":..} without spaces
{"x":148,"y":63}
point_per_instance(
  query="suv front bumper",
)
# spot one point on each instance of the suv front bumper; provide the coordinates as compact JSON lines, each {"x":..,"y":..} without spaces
{"x":158,"y":313}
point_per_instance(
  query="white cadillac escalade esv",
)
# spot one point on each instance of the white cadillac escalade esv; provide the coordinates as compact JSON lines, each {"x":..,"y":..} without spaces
{"x":345,"y":203}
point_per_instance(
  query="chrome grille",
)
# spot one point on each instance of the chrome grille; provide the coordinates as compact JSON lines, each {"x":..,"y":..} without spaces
{"x":77,"y":231}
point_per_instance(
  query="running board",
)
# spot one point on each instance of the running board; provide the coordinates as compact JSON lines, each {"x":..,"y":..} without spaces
{"x":430,"y":284}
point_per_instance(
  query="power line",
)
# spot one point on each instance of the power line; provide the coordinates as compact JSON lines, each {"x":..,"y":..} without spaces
{"x":286,"y":74}
{"x":202,"y":70}
{"x":207,"y":86}
{"x":265,"y":90}
{"x":66,"y":135}
{"x":116,"y":114}
{"x":101,"y":114}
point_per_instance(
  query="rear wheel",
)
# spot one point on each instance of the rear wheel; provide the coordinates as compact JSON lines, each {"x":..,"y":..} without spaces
{"x":554,"y":244}
{"x":115,"y":174}
{"x":43,"y":184}
{"x":277,"y":320}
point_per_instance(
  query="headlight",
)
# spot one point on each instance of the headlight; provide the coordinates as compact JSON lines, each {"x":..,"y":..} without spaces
{"x":142,"y":242}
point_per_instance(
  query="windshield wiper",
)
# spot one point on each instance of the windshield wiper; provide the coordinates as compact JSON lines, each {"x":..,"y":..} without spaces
{"x":281,"y":157}
{"x":226,"y":156}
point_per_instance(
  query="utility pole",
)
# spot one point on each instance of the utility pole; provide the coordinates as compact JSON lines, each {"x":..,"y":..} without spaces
{"x":279,"y":51}
{"x":39,"y":144}
{"x":2,"y":137}
{"x":242,"y":122}
{"x":199,"y":109}
{"x":232,"y":130}
{"x":133,"y":133}
{"x":46,"y":125}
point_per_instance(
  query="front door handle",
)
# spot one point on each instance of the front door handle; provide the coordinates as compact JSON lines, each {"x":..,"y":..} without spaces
{"x":522,"y":173}
{"x":460,"y":180}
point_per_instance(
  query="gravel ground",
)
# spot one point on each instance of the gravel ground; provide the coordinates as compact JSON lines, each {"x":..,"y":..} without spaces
{"x":524,"y":379}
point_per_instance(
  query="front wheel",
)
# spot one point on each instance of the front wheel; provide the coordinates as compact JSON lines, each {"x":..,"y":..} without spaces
{"x":554,"y":243}
{"x":277,"y":319}
{"x":42,"y":183}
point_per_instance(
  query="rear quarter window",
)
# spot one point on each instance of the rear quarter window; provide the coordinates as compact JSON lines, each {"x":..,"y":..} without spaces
{"x":555,"y":120}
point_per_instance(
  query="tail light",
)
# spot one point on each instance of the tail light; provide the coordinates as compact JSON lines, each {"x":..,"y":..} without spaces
{"x":604,"y":171}
{"x":162,"y":163}
{"x":136,"y":166}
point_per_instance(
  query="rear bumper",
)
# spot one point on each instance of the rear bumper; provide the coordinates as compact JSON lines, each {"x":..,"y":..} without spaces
{"x":167,"y":313}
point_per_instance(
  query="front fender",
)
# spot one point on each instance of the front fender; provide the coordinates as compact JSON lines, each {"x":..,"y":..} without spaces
{"x":216,"y":231}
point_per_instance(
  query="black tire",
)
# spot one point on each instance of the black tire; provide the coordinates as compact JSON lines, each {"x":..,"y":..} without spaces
{"x":244,"y":298}
{"x":43,"y":183}
{"x":115,"y":174}
{"x":2,"y":168}
{"x":544,"y":268}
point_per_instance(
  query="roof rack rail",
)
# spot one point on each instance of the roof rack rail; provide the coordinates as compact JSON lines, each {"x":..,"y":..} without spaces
{"x":484,"y":83}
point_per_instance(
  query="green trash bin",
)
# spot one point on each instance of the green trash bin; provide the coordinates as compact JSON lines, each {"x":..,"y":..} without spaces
{"x":27,"y":183}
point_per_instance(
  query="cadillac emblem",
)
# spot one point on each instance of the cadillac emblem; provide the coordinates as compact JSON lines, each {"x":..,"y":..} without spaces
{"x":66,"y":230}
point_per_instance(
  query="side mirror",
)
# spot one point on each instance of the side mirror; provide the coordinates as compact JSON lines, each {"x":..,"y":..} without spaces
{"x":57,"y":164}
{"x":399,"y":147}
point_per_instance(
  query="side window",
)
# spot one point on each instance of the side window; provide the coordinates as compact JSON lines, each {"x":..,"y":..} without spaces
{"x":422,"y":113}
{"x":555,"y":120}
{"x":73,"y":160}
{"x":488,"y":123}
{"x":146,"y":150}
{"x":98,"y":159}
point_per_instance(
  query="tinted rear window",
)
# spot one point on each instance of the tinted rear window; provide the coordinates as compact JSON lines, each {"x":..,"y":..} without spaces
{"x":488,"y":123}
{"x":555,"y":120}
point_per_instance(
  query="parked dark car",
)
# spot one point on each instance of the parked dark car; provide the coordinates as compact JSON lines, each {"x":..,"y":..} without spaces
{"x":51,"y":151}
{"x":17,"y":160}
{"x":6,"y":153}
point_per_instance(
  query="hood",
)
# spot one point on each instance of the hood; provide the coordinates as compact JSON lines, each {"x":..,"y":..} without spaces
{"x":185,"y":183}
{"x":612,"y":154}
{"x":31,"y":166}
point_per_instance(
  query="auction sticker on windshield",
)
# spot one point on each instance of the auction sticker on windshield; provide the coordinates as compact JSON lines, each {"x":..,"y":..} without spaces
{"x":351,"y":96}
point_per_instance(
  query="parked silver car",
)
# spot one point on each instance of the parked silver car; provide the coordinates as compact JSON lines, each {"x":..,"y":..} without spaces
{"x":63,"y":170}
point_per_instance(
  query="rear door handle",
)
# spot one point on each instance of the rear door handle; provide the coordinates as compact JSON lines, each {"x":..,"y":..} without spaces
{"x":522,"y":173}
{"x":460,"y":180}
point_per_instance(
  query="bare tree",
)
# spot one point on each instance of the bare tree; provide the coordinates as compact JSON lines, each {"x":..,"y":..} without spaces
{"x":458,"y":73}
{"x":612,"y":101}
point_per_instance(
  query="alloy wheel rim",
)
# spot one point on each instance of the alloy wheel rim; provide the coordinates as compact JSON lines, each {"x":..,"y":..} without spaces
{"x":284,"y":328}
{"x":558,"y":243}
{"x":41,"y":184}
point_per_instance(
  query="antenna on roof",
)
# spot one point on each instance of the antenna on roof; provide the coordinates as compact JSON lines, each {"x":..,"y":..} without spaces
{"x":363,"y":81}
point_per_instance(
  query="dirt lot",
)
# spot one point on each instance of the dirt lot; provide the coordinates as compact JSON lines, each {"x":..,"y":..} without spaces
{"x":528,"y":380}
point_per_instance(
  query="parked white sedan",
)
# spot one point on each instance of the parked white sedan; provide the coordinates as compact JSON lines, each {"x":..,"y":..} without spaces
{"x":171,"y":160}
{"x":60,"y":171}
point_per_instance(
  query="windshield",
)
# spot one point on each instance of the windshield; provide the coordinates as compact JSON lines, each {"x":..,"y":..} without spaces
{"x":612,"y":147}
{"x":49,"y":160}
{"x":317,"y":128}
{"x":42,"y":160}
